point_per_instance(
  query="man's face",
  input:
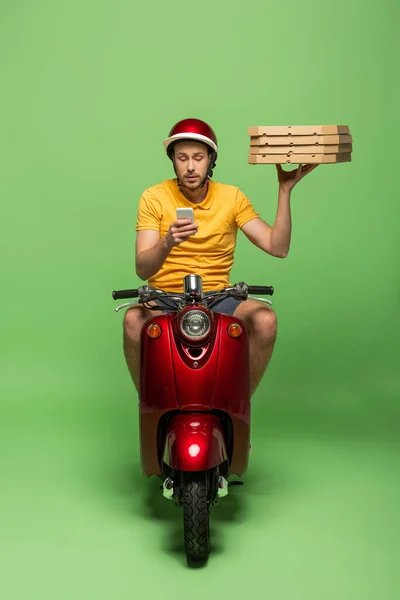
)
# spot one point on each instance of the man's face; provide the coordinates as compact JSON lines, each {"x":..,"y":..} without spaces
{"x":191,"y":163}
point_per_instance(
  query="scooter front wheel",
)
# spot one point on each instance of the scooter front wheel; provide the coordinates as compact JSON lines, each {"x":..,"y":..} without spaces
{"x":196,"y":518}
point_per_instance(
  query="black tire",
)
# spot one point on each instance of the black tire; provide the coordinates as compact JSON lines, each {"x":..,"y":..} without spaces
{"x":196,"y":519}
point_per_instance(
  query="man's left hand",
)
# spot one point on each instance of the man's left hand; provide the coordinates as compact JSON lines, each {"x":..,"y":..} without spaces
{"x":288,"y":179}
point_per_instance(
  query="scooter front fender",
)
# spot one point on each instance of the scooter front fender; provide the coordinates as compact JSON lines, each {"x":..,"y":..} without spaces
{"x":194,"y":442}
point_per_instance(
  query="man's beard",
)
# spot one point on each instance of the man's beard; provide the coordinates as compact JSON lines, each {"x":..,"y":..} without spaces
{"x":201,"y":185}
{"x":193,"y":189}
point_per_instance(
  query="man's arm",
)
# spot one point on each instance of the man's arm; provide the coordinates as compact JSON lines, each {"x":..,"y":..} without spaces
{"x":152,"y":251}
{"x":276,"y":240}
{"x":273,"y":240}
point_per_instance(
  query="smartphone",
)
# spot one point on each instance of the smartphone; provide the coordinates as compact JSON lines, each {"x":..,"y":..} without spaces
{"x":185,"y":213}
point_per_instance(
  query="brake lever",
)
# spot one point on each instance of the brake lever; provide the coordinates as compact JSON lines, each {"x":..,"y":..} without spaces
{"x":126,"y":304}
{"x":144,"y":291}
{"x":263,"y":300}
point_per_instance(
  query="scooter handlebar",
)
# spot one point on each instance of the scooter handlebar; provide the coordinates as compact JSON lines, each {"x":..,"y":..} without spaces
{"x":122,"y":294}
{"x":261,"y":290}
{"x":252,"y":289}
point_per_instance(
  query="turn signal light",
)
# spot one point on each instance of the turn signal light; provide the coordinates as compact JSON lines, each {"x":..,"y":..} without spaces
{"x":234,"y":330}
{"x":154,"y":331}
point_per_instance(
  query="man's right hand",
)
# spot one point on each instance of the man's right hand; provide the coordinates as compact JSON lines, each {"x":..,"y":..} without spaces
{"x":180,"y":231}
{"x":151,"y":251}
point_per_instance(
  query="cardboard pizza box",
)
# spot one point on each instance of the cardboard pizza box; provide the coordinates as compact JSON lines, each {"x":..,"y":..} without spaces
{"x":289,"y":150}
{"x":297,"y":159}
{"x":300,"y":130}
{"x":301,"y":140}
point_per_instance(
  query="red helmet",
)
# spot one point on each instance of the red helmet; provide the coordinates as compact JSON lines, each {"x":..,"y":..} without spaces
{"x":192,"y":129}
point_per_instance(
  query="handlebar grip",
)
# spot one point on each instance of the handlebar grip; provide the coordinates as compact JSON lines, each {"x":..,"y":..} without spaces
{"x":122,"y":294}
{"x":261,"y":290}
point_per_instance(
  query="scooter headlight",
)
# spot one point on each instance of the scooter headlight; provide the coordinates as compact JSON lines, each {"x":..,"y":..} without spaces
{"x":195,"y":324}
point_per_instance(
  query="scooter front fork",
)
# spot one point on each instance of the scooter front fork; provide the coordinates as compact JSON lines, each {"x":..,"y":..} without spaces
{"x":168,"y":488}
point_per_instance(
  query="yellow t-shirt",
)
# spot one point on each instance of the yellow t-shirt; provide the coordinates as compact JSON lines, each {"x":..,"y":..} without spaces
{"x":210,"y":252}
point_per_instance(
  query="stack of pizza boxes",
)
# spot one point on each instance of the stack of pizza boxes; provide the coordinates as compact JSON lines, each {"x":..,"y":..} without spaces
{"x":300,"y":145}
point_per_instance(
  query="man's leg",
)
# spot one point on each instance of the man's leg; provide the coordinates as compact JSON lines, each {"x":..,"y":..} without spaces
{"x":134,"y":320}
{"x":261,"y":325}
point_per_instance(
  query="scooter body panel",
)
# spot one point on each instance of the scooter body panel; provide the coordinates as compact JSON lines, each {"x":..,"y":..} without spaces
{"x":172,"y":382}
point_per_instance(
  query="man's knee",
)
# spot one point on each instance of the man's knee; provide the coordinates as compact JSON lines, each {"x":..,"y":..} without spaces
{"x":134,"y":320}
{"x":270,"y":323}
{"x":260,"y":320}
{"x":264,"y":322}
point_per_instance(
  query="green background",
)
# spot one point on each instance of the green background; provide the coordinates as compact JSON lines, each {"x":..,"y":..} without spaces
{"x":88,"y":92}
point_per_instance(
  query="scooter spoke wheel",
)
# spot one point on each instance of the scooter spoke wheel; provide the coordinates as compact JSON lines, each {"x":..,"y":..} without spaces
{"x":196,"y":520}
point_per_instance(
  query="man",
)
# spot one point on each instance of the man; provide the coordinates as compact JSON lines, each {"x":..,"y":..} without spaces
{"x":167,"y":249}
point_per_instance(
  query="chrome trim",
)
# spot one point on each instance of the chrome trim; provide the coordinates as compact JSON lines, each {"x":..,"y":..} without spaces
{"x":193,"y":287}
{"x":168,"y":489}
{"x":125,"y":305}
{"x":189,"y":312}
{"x":263,"y":300}
{"x":222,"y":487}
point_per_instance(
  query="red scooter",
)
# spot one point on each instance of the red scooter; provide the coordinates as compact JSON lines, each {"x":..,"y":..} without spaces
{"x":194,"y":399}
